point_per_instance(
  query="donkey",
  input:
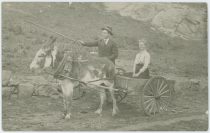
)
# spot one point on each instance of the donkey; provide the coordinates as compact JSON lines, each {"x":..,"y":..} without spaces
{"x":98,"y":69}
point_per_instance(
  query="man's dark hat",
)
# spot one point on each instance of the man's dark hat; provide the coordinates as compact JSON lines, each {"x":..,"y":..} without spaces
{"x":108,"y":28}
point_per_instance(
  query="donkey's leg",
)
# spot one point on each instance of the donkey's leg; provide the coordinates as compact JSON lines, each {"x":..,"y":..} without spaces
{"x":102,"y":99}
{"x":67,"y":96}
{"x":115,"y":108}
{"x":69,"y":102}
{"x":64,"y":97}
{"x":64,"y":105}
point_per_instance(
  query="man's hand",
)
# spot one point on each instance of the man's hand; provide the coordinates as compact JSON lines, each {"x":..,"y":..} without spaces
{"x":135,"y":75}
{"x":81,"y":42}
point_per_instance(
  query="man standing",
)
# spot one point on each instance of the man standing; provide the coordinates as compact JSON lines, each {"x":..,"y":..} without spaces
{"x":106,"y":46}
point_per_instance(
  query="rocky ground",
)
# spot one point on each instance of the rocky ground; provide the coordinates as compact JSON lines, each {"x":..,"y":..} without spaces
{"x":184,"y":61}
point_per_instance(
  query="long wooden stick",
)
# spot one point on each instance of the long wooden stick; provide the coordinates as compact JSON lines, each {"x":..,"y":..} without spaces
{"x":88,"y":83}
{"x":47,"y":29}
{"x":103,"y":87}
{"x":65,"y":77}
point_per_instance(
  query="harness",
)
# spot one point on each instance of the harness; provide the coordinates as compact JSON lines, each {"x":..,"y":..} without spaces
{"x":64,"y":70}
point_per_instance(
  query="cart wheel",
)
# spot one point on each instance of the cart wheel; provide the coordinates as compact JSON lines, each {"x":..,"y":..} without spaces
{"x":119,"y":95}
{"x":79,"y":92}
{"x":120,"y":71}
{"x":155,"y":96}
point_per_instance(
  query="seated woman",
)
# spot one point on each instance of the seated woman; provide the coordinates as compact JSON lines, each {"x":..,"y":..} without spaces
{"x":142,"y":61}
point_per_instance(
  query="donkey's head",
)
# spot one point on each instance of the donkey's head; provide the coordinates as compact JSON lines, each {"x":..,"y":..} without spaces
{"x":44,"y":58}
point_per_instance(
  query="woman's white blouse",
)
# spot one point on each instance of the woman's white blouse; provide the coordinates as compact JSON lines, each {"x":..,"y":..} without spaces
{"x":143,"y":57}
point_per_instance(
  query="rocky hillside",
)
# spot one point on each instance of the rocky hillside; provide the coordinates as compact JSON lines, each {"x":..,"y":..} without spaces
{"x":21,"y":40}
{"x":188,"y":21}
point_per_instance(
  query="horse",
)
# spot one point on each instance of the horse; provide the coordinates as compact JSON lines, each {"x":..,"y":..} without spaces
{"x":100,"y":71}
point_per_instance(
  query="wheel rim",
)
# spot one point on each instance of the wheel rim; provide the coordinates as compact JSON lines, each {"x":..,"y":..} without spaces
{"x":156,"y":95}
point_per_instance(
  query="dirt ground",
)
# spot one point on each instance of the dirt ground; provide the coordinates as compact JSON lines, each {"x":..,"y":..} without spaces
{"x":171,"y":57}
{"x":43,"y":113}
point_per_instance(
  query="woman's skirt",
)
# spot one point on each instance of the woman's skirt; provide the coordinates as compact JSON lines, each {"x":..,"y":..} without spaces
{"x":145,"y":74}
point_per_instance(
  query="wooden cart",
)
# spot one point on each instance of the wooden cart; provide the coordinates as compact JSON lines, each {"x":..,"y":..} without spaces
{"x":154,"y":94}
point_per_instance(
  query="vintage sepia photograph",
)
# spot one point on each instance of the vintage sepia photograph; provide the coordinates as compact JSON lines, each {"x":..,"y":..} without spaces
{"x":104,"y":66}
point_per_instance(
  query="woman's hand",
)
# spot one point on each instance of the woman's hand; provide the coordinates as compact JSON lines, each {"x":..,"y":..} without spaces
{"x":140,"y":71}
{"x":137,"y":74}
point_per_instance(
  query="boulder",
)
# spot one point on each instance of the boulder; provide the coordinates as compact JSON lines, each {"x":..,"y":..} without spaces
{"x":187,"y":84}
{"x":10,"y":90}
{"x":9,"y":86}
{"x":48,"y":90}
{"x":6,"y":76}
{"x":6,"y":92}
{"x":188,"y":21}
{"x":35,"y":79}
{"x":25,"y":90}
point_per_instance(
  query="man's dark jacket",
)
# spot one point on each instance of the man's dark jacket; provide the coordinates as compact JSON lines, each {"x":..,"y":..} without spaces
{"x":108,"y":50}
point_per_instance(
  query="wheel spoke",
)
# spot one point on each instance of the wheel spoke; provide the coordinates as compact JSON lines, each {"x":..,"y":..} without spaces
{"x":155,"y":107}
{"x":161,"y":106}
{"x":164,"y":92}
{"x":149,"y":96}
{"x":165,"y":107}
{"x":164,"y":104}
{"x":165,"y":96}
{"x":148,"y":100}
{"x":148,"y":105}
{"x":163,"y":88}
{"x":151,"y":87}
{"x":151,"y":107}
{"x":158,"y":86}
{"x":150,"y":91}
{"x":161,"y":85}
{"x":164,"y":100}
{"x":158,"y":105}
{"x":154,"y":93}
